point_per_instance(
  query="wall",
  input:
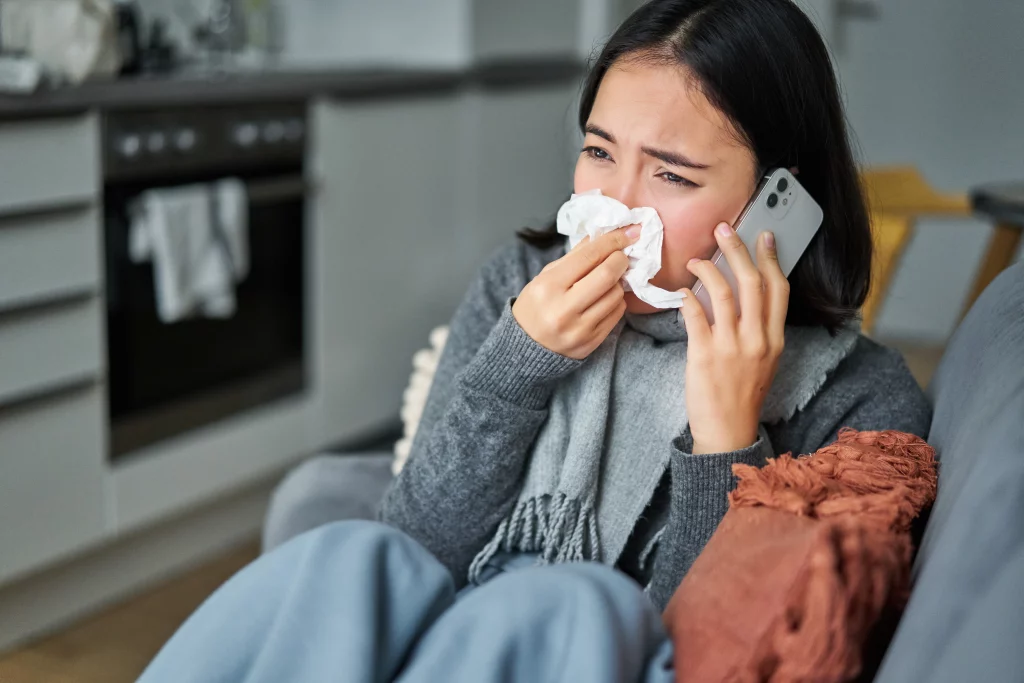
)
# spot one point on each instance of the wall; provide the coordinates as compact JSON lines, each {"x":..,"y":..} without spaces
{"x":357,"y":33}
{"x":379,"y":33}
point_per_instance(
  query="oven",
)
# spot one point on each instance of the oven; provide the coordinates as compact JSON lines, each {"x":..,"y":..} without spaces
{"x":166,"y":380}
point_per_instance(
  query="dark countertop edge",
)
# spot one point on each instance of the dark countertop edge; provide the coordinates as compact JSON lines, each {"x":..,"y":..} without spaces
{"x":288,"y":85}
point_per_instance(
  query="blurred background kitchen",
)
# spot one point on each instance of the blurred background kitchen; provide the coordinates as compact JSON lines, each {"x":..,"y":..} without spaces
{"x":226,"y":226}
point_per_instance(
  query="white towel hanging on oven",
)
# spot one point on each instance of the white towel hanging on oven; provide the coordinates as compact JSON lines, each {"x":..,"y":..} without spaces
{"x":197,"y":237}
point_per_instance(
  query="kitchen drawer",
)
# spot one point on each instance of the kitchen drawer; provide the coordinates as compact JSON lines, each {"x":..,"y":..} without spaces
{"x":43,"y":256}
{"x":49,"y":347}
{"x":48,"y":162}
{"x":52,"y":478}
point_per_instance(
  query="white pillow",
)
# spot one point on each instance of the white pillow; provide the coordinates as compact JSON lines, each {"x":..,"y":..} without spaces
{"x":414,"y":398}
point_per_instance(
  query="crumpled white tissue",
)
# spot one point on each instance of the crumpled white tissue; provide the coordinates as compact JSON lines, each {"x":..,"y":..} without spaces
{"x":592,"y":213}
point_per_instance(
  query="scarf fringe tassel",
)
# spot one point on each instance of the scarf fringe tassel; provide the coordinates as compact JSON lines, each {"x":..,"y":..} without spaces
{"x":557,"y":529}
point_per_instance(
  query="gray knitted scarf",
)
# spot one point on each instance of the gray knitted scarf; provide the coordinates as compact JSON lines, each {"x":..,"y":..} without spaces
{"x":606,"y":443}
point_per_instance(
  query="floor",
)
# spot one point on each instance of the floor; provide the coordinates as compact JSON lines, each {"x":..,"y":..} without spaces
{"x":116,"y":645}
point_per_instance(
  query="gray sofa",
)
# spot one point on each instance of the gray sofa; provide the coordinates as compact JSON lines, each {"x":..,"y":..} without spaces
{"x":965,"y":619}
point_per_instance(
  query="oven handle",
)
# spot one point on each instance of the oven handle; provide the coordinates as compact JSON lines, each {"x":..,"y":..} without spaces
{"x":277,"y":189}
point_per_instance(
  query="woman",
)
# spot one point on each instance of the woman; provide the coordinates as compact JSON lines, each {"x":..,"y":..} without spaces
{"x":568,"y":421}
{"x":687,"y":107}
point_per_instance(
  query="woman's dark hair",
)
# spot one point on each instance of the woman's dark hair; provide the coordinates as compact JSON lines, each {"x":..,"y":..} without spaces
{"x":763,"y":65}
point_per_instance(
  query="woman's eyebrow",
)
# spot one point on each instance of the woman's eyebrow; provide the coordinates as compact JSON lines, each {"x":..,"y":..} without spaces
{"x":672,"y":158}
{"x":599,"y":132}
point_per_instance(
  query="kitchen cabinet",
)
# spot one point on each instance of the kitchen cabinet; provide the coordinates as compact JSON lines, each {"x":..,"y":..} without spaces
{"x":49,"y":347}
{"x":415,"y":195}
{"x":52,"y":403}
{"x":518,"y":164}
{"x":384,"y":230}
{"x":48,"y":162}
{"x":47,"y":256}
{"x":52,"y":478}
{"x":412,"y":186}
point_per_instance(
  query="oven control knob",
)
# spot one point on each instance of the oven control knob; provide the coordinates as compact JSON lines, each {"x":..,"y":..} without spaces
{"x":129,"y":146}
{"x":156,"y":142}
{"x":246,"y":134}
{"x":294,"y":129}
{"x":185,"y":140}
{"x":273,"y":132}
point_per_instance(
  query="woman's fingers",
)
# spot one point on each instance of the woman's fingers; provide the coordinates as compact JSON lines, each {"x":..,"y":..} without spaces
{"x":551,"y":307}
{"x":722,"y":297}
{"x":749,"y":282}
{"x":776,"y":289}
{"x":589,"y":254}
{"x":598,"y":281}
{"x":698,"y":331}
{"x":612,"y":299}
{"x":606,"y":325}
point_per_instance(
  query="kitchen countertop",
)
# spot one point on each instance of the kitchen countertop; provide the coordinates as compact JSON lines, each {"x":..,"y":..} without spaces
{"x":194,"y":89}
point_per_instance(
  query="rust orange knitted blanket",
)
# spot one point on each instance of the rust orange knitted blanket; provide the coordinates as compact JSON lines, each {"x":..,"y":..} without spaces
{"x":811,"y":552}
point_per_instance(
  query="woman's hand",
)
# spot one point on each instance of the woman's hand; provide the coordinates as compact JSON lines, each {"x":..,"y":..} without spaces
{"x":731,"y":364}
{"x":575,"y":302}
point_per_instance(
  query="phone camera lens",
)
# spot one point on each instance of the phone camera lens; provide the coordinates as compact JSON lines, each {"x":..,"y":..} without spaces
{"x":773,"y":199}
{"x":783,"y":184}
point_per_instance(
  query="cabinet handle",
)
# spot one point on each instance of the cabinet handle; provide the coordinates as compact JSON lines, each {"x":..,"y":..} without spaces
{"x":42,"y":394}
{"x":277,"y":189}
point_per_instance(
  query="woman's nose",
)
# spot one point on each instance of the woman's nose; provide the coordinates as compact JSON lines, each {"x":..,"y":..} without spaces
{"x":624,"y":190}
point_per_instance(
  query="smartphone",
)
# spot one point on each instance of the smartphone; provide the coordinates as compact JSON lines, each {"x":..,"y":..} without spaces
{"x":780,"y":205}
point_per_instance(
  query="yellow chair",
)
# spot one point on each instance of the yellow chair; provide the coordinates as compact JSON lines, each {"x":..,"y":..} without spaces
{"x":897,"y":197}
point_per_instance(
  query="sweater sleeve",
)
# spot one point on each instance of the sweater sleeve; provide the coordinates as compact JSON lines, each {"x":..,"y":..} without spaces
{"x":486,"y":405}
{"x":872,"y":389}
{"x":698,"y":502}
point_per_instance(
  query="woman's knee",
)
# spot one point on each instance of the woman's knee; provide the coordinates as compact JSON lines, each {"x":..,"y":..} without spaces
{"x":586,"y":583}
{"x":372,"y":548}
{"x":561,"y":622}
{"x":573,"y":591}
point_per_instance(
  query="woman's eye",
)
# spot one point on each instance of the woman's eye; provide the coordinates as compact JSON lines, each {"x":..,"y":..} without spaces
{"x":596,"y":153}
{"x":676,"y":180}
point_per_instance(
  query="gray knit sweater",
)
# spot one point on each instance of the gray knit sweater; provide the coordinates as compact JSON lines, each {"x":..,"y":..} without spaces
{"x":489,"y":399}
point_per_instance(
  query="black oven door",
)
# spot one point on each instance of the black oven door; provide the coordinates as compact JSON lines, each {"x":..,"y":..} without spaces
{"x":167,"y":379}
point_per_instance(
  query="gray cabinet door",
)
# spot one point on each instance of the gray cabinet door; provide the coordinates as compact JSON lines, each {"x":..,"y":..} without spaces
{"x":49,"y":255}
{"x":415,"y":195}
{"x":48,"y":162}
{"x":52,"y":479}
{"x":46,"y":348}
{"x":519,"y":155}
{"x":385,"y":238}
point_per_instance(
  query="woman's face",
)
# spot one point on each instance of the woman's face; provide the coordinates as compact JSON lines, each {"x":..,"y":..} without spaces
{"x":653,"y":139}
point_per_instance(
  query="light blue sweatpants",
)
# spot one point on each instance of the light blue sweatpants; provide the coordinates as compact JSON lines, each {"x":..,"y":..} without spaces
{"x":355,"y":602}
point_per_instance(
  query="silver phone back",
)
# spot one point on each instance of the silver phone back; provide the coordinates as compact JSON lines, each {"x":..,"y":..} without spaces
{"x":794,"y":219}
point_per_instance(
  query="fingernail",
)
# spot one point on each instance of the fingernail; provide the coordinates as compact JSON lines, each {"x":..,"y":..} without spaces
{"x":723,"y":229}
{"x":769,"y":240}
{"x":694,"y":260}
{"x":633,"y":231}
